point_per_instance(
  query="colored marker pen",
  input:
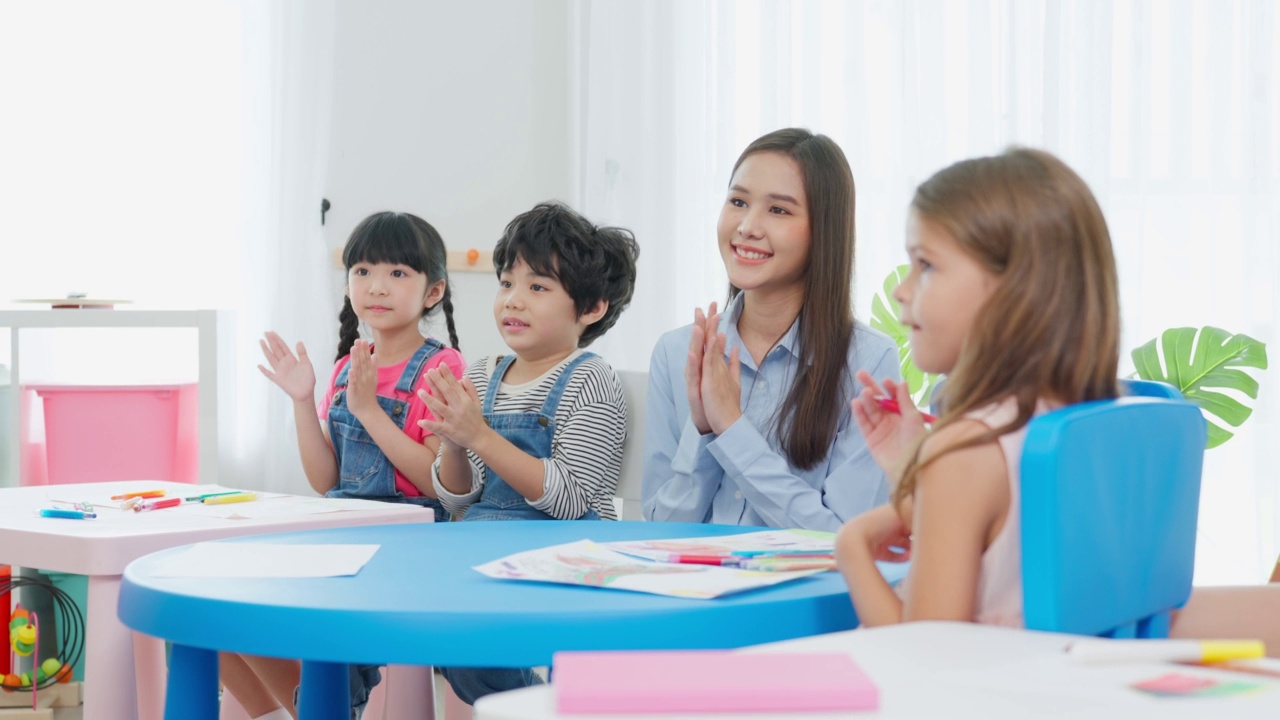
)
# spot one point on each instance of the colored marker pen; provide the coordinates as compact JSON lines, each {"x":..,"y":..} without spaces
{"x":201,"y":498}
{"x":68,"y":514}
{"x":892,"y":406}
{"x":157,"y":504}
{"x":140,"y":494}
{"x":234,"y":498}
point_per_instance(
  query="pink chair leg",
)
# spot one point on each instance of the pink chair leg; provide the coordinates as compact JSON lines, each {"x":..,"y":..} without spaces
{"x":409,"y":693}
{"x":109,"y":687}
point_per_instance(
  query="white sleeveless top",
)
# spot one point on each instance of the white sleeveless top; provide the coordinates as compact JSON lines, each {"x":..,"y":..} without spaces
{"x":999,"y":596}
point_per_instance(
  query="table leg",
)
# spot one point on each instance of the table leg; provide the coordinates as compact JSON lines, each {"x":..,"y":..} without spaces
{"x":149,"y":669}
{"x":193,"y":684}
{"x":326,"y":691}
{"x":108,"y":667}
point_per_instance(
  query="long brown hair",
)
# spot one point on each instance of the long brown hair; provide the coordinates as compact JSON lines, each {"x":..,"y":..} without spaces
{"x":1051,"y":327}
{"x":806,"y":422}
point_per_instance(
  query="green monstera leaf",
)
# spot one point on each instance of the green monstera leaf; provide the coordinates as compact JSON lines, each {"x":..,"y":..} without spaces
{"x":1201,"y":363}
{"x":884,"y":317}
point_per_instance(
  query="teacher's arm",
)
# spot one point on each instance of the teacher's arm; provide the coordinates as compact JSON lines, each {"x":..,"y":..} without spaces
{"x":681,"y":478}
{"x":853,"y":482}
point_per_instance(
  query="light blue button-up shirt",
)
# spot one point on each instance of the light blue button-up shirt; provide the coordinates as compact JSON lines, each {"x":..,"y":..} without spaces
{"x":742,"y":477}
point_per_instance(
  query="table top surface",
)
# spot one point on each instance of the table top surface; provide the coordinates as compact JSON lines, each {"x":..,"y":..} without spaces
{"x":418,"y":601}
{"x":964,"y":670}
{"x":106,"y":544}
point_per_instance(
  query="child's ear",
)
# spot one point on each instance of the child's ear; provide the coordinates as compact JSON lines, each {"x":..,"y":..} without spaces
{"x":593,"y":315}
{"x":435,"y":294}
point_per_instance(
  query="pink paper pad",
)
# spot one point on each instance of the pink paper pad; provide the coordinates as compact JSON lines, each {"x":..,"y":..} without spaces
{"x":709,"y":681}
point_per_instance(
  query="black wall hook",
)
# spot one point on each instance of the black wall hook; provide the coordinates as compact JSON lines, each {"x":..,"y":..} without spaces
{"x":324,"y":208}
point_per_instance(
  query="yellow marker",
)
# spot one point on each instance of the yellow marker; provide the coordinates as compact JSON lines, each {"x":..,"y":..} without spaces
{"x":1196,"y":651}
{"x":224,"y":499}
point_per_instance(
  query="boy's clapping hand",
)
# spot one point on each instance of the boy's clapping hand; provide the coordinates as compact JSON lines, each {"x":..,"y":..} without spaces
{"x":455,"y":406}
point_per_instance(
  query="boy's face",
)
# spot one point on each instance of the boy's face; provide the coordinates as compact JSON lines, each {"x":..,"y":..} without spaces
{"x":536,"y":315}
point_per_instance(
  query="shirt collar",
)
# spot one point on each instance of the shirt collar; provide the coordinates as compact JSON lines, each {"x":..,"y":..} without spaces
{"x":729,"y":326}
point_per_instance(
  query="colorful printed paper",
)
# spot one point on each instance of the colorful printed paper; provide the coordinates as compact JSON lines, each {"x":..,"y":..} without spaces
{"x":588,"y":563}
{"x":765,"y":542}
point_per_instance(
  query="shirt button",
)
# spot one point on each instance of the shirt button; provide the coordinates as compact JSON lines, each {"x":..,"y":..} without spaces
{"x":738,"y":495}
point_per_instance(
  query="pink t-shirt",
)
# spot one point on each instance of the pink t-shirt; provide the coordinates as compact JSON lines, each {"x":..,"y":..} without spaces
{"x":387,"y":378}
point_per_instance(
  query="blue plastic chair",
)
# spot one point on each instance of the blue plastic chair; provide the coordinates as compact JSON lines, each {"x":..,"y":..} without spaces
{"x":1110,"y":493}
{"x":1148,"y":388}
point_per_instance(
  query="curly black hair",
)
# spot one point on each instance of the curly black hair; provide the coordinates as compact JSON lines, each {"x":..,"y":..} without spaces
{"x":592,"y":263}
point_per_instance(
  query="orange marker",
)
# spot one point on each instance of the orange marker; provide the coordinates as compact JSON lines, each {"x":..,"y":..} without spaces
{"x":141,"y":494}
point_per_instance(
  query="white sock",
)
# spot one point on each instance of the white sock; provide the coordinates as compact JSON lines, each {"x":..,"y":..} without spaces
{"x":277,"y":714}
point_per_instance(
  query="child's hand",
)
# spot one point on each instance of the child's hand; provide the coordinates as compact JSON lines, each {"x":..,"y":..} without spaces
{"x":293,"y":374}
{"x":883,"y":533}
{"x":721,"y":385}
{"x":888,"y":434}
{"x":456,"y":407}
{"x":704,"y":328}
{"x":362,"y":380}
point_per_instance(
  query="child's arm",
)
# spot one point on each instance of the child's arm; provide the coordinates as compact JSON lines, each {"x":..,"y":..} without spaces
{"x":960,"y":504}
{"x":586,"y":455}
{"x":411,"y":458}
{"x":296,"y":376}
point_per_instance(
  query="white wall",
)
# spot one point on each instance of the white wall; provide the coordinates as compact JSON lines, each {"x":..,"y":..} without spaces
{"x":457,"y":112}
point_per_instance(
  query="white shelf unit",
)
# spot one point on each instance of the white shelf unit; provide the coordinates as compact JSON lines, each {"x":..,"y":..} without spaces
{"x":215,"y":343}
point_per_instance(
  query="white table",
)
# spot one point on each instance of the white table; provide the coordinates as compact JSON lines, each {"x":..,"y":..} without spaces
{"x":962,"y":670}
{"x":101,"y":549}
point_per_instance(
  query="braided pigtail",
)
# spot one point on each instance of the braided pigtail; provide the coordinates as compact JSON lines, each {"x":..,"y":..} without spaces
{"x":447,"y":303}
{"x":349,"y":330}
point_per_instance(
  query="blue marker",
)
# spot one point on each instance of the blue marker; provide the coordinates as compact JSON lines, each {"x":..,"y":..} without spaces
{"x":68,"y":514}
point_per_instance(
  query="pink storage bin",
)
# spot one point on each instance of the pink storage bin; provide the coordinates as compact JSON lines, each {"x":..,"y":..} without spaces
{"x":110,"y":433}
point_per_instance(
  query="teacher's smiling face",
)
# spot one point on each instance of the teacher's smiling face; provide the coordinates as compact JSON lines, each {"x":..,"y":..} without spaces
{"x":764,"y":224}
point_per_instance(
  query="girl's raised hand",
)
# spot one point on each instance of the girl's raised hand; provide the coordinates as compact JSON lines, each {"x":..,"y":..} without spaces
{"x":292,"y":373}
{"x":455,"y":405}
{"x":888,"y":434}
{"x":721,"y":385}
{"x":362,"y":379}
{"x":704,"y":327}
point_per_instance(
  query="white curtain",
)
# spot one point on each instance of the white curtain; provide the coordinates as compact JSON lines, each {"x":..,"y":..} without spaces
{"x":286,"y":283}
{"x":1170,"y":110}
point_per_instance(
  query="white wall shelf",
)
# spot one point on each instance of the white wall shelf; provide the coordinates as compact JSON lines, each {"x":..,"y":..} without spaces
{"x":215,"y":344}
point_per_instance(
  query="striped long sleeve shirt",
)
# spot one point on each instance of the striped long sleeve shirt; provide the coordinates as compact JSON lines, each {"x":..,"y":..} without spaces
{"x":586,"y":450}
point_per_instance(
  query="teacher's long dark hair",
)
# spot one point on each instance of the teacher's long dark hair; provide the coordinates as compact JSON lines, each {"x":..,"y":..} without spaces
{"x":806,"y":422}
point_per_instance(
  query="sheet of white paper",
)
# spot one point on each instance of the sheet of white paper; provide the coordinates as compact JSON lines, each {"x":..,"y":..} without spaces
{"x":261,"y":560}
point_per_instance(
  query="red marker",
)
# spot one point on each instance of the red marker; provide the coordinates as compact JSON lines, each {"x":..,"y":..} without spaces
{"x":892,"y":406}
{"x":158,"y":504}
{"x":704,"y":559}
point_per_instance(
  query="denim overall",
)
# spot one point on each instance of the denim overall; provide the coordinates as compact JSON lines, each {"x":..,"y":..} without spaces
{"x":364,"y":471}
{"x":531,"y":432}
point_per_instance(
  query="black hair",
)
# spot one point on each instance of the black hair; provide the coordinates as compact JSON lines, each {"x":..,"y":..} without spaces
{"x":398,"y":239}
{"x":592,"y":263}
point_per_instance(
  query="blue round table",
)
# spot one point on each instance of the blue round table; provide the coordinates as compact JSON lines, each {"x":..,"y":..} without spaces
{"x":419,"y":602}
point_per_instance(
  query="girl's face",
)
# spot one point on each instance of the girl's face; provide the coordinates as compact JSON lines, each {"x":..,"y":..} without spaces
{"x":389,"y":297}
{"x":941,"y":295}
{"x":764,"y":224}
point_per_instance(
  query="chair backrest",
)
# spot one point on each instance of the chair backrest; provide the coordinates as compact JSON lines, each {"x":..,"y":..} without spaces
{"x":1148,"y":388}
{"x":635,"y":387}
{"x":1110,"y":493}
